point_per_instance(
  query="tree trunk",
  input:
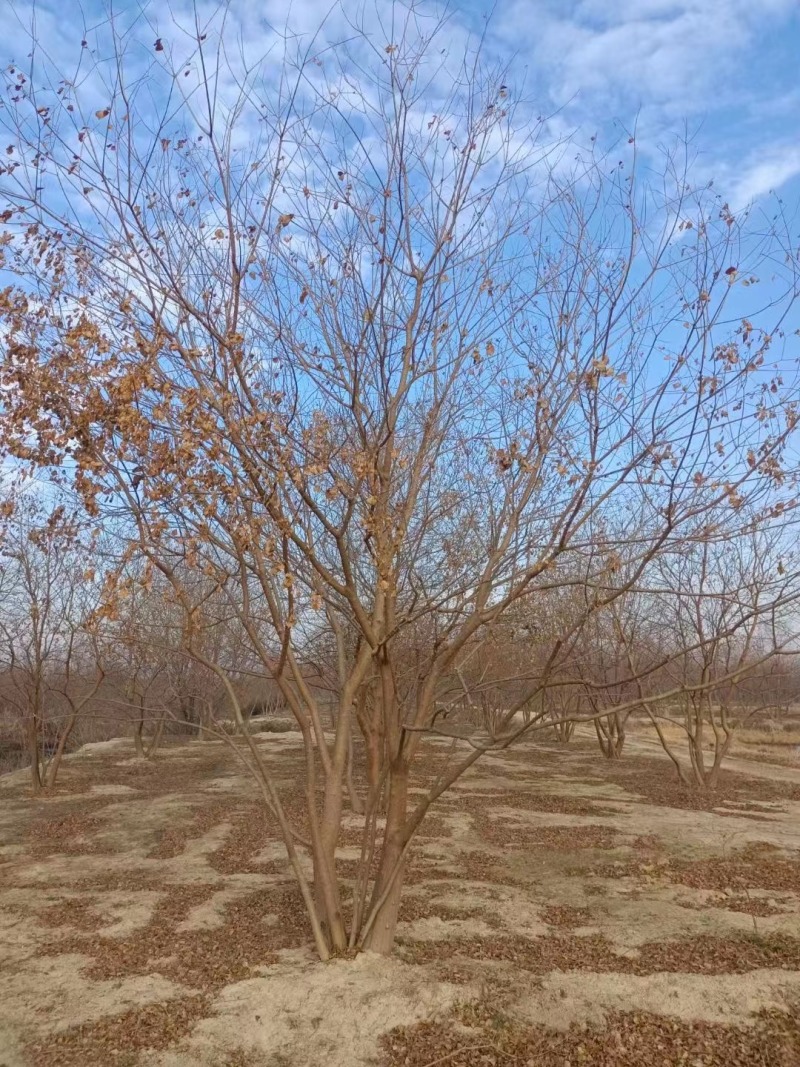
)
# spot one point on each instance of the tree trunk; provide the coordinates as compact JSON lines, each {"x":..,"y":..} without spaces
{"x":697,"y":759}
{"x":563,"y":729}
{"x":206,"y":732}
{"x":138,"y":742}
{"x":373,"y":743}
{"x":155,"y":740}
{"x":327,"y":901}
{"x":720,"y":752}
{"x":35,"y":755}
{"x":55,"y":763}
{"x":682,"y":777}
{"x":356,"y":801}
{"x":611,"y":735}
{"x":326,"y":886}
{"x":603,"y":738}
{"x":385,"y":905}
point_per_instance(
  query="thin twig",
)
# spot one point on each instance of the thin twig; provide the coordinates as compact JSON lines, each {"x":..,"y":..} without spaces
{"x":467,"y":1048}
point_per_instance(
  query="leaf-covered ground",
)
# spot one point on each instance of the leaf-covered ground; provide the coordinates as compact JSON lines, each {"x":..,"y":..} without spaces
{"x":560,"y":910}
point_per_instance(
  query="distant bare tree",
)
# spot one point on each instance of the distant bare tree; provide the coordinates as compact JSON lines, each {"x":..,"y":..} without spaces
{"x":730,"y":609}
{"x":51,"y":670}
{"x":601,"y":661}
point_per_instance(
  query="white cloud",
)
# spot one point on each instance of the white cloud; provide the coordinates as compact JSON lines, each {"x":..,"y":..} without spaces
{"x":597,"y":60}
{"x":762,"y":173}
{"x":676,"y":56}
{"x":716,"y":71}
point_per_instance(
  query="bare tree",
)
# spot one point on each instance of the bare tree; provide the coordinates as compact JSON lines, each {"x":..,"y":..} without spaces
{"x":348,"y":337}
{"x":601,"y":661}
{"x":51,"y":670}
{"x":161,"y":688}
{"x":141,"y":667}
{"x":730,"y":609}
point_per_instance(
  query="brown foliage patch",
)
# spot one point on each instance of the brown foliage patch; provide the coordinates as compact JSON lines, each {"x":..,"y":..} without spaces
{"x":433,"y":827}
{"x":432,"y":761}
{"x":78,"y":913}
{"x":746,"y":869}
{"x":538,"y":750}
{"x":254,"y":928}
{"x":172,"y":840}
{"x":210,"y":959}
{"x":118,"y":1039}
{"x":251,"y":830}
{"x":741,"y":870}
{"x":719,"y":955}
{"x":472,"y":865}
{"x":148,"y":776}
{"x":624,"y":1040}
{"x":654,"y":780}
{"x":413,"y":908}
{"x":562,"y":915}
{"x":525,"y":800}
{"x":699,"y":955}
{"x":131,"y":879}
{"x":65,"y":836}
{"x":646,"y":843}
{"x":118,"y":957}
{"x":750,"y":906}
{"x":497,"y":831}
{"x":70,"y":784}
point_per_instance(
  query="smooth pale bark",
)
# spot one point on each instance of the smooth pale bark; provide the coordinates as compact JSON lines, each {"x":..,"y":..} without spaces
{"x":385,"y":905}
{"x":356,"y":801}
{"x":324,"y":837}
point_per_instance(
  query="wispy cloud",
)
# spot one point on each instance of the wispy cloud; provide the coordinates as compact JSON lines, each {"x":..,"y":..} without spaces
{"x":681,"y":56}
{"x":760,"y":174}
{"x":725,"y":67}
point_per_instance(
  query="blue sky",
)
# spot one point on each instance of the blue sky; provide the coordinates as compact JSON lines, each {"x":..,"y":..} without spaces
{"x":723,"y":71}
{"x":726,"y":70}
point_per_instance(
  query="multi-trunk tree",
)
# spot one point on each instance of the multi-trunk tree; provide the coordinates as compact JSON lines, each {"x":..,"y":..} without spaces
{"x":726,"y":614}
{"x":354,"y":339}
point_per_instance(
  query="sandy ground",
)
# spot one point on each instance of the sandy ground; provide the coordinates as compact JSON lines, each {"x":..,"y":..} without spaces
{"x":775,"y":771}
{"x":148,"y":917}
